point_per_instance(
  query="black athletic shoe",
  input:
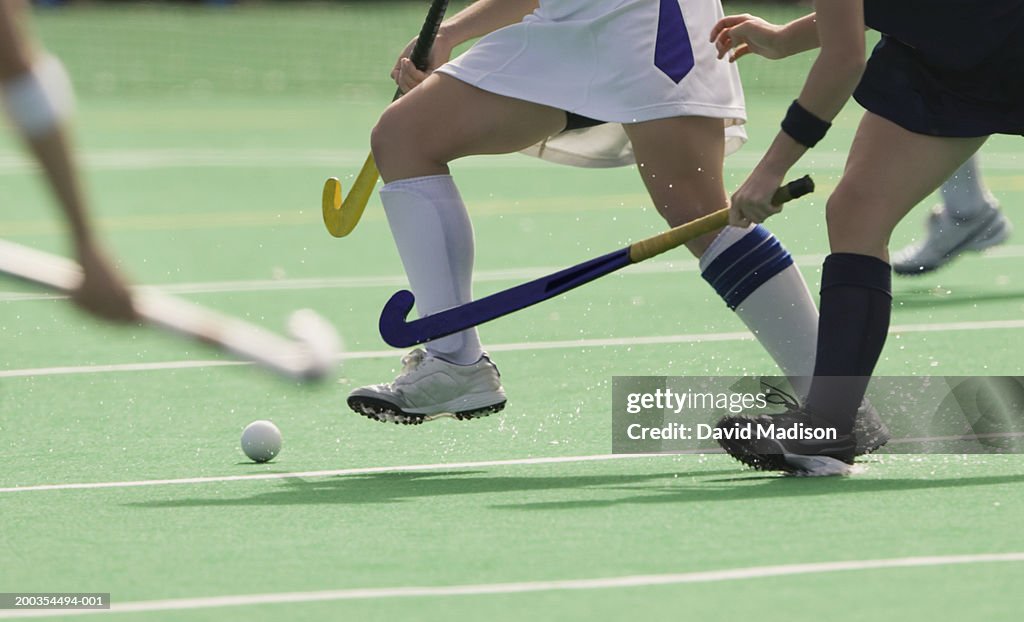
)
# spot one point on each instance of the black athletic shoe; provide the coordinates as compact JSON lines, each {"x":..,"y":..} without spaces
{"x":871,"y":433}
{"x":787,"y":442}
{"x":869,"y":429}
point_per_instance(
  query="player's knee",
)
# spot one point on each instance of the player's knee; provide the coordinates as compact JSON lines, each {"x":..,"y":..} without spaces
{"x":852,"y":225}
{"x":398,"y":144}
{"x":684,"y":198}
{"x":841,"y":207}
{"x":386,"y":140}
{"x":403,"y":148}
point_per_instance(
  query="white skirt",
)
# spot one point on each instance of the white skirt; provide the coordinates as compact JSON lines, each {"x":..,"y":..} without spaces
{"x":618,"y":61}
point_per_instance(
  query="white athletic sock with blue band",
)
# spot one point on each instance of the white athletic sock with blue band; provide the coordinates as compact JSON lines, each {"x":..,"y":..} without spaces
{"x":434,"y":236}
{"x":41,"y":99}
{"x":756,"y":277}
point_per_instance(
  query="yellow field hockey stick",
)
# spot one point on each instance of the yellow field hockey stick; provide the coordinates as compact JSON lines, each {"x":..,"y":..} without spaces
{"x":342,"y":215}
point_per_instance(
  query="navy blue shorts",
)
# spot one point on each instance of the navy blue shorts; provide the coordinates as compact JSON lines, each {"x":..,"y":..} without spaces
{"x":901,"y":86}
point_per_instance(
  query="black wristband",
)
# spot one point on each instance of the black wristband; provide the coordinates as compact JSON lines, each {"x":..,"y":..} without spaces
{"x":803,"y":127}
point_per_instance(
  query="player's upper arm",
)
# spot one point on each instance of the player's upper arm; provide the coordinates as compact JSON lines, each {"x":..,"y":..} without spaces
{"x":841,"y":32}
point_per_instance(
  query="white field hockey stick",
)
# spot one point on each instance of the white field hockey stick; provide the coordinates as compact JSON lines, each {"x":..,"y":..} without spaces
{"x":311,"y":355}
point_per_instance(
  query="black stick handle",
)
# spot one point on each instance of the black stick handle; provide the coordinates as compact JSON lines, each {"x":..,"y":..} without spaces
{"x":793,"y":190}
{"x":425,"y":41}
{"x":421,"y":52}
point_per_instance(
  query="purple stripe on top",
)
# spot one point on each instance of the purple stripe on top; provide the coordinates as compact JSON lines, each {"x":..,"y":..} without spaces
{"x":672,"y":52}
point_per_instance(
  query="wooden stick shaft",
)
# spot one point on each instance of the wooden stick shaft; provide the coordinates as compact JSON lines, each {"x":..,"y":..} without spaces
{"x":677,"y":236}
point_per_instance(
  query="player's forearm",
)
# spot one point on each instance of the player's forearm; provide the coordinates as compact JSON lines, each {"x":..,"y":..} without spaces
{"x":485,"y":16}
{"x":823,"y":96}
{"x":800,"y":35}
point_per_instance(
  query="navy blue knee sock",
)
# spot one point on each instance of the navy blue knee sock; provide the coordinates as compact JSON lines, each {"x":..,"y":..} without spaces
{"x":856,"y":302}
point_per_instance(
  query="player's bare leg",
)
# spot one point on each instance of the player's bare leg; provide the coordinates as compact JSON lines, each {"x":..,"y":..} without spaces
{"x":412,"y":147}
{"x":886,"y":175}
{"x":888,"y":172}
{"x":680,"y":161}
{"x":444,"y":119}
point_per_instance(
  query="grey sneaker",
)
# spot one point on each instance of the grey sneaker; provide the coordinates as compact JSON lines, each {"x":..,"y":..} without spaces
{"x":430,"y":388}
{"x":947,"y":237}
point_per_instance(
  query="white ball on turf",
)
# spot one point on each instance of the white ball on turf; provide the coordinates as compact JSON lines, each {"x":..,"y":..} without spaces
{"x":261,"y":441}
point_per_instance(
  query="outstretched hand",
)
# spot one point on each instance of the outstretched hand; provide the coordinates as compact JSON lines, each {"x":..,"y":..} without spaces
{"x":746,"y":34}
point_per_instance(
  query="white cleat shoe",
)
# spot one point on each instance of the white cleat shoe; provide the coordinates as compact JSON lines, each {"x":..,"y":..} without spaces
{"x":430,"y":388}
{"x":947,"y":237}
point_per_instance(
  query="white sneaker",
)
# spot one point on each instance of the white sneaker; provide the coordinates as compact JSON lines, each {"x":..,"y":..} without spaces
{"x":429,"y":388}
{"x":947,"y":237}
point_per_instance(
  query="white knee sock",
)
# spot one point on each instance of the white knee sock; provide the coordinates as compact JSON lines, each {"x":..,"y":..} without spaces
{"x":963,"y":194}
{"x":434,"y":236}
{"x":757,"y":278}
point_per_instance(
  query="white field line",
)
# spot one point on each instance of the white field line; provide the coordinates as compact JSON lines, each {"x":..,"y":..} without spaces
{"x":357,"y":282}
{"x":12,"y":162}
{"x":350,"y":282}
{"x":528,"y":587}
{"x":452,"y":466}
{"x":292,"y":216}
{"x":958,"y":437}
{"x":443,"y":467}
{"x":377,"y":354}
{"x":482,"y":276}
{"x":571,"y":344}
{"x":116,"y":368}
{"x":154,"y":159}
